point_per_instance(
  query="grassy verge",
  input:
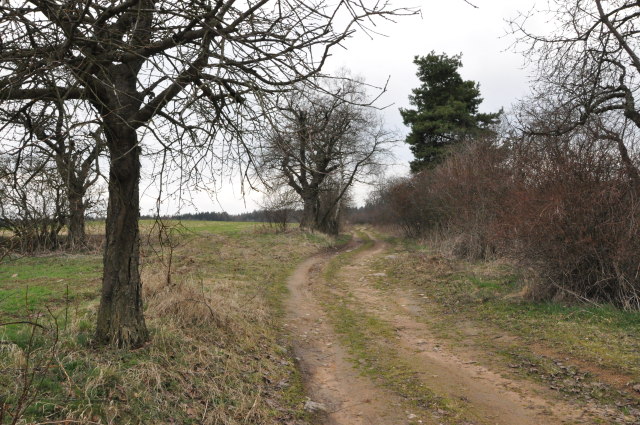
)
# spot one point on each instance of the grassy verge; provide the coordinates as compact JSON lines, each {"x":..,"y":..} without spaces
{"x":216,"y":354}
{"x":572,"y":348}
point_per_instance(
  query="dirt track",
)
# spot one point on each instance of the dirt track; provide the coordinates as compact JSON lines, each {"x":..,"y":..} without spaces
{"x":485,"y":396}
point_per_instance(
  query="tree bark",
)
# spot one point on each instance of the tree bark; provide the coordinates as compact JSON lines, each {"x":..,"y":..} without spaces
{"x":120,"y":316}
{"x":330,"y":222}
{"x":310,"y":211}
{"x":77,"y":234}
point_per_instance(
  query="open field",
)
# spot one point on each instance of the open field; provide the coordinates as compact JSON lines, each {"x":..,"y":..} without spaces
{"x":216,"y":354}
{"x":384,"y":332}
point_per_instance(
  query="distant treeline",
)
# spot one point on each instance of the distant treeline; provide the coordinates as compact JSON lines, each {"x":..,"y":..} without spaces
{"x":257,"y":215}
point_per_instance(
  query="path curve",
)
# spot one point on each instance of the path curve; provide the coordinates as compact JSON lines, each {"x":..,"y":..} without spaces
{"x":348,"y":398}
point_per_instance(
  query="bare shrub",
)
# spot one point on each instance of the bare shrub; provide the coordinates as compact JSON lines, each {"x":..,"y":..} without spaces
{"x":279,"y":206}
{"x":459,"y":198}
{"x":409,"y":206}
{"x":563,"y":206}
{"x":468,"y":191}
{"x":33,"y":205}
{"x":574,"y":219}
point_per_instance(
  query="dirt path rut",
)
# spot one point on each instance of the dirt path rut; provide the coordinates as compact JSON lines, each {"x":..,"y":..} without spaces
{"x":345,"y":396}
{"x":483,"y":395}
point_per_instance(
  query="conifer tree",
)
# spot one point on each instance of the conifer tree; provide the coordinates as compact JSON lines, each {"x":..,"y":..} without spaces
{"x":446,"y":110}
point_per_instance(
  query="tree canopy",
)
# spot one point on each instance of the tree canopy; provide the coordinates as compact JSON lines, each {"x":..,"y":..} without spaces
{"x":446,"y":109}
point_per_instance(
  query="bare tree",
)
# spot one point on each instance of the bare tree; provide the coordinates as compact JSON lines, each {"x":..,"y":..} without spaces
{"x":142,"y":66}
{"x":279,"y":205}
{"x":335,"y":199}
{"x":49,"y":132}
{"x":324,"y":141}
{"x":588,"y":73}
{"x":32,"y":203}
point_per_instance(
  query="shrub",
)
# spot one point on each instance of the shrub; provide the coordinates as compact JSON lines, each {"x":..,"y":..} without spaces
{"x":565,"y":207}
{"x":573,"y":218}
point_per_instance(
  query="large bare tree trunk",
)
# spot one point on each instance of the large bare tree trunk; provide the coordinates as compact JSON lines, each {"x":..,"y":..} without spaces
{"x":310,"y":211}
{"x":120,"y":318}
{"x":330,"y":221}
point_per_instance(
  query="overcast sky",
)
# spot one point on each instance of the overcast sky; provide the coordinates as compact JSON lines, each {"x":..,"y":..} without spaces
{"x":449,"y":26}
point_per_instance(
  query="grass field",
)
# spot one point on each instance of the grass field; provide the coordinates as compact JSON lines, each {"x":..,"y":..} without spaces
{"x":216,"y":354}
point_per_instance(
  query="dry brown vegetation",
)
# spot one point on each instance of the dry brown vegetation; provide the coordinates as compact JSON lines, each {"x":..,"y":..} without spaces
{"x":564,"y":207}
{"x":217,"y":355}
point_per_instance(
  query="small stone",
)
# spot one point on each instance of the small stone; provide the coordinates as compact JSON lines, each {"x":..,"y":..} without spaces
{"x":411,"y":416}
{"x":314,"y":407}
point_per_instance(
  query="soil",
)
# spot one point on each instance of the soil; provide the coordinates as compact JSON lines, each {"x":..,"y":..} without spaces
{"x":331,"y":380}
{"x":488,"y":393}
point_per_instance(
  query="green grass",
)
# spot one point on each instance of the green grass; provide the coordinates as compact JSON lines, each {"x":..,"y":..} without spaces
{"x":220,"y":227}
{"x":16,"y":300}
{"x":77,"y":267}
{"x":36,"y":283}
{"x":603,"y":335}
{"x":229,"y":367}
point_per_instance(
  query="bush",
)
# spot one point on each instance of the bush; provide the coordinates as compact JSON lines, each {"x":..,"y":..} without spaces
{"x":564,"y":207}
{"x":459,"y":198}
{"x":573,"y":217}
{"x":33,"y":206}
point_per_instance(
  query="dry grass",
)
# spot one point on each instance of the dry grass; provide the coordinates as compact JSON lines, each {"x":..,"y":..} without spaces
{"x":217,"y":355}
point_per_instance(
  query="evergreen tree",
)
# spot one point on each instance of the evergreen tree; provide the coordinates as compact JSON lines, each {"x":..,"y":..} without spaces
{"x":446,"y":110}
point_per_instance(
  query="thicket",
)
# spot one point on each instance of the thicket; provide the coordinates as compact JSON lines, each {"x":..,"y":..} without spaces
{"x":35,"y":208}
{"x":565,"y":207}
